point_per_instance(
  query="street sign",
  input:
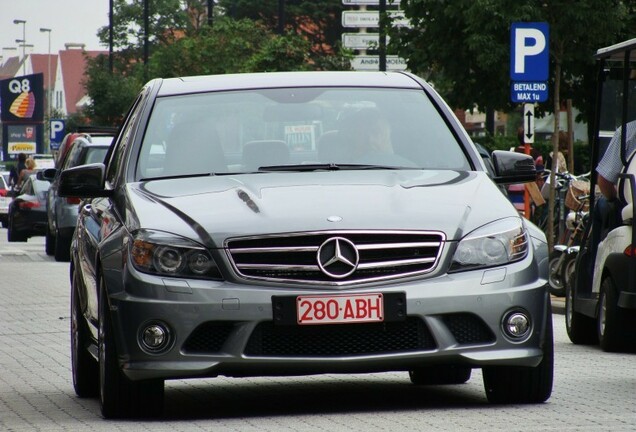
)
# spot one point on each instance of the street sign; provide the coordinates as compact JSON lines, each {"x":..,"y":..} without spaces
{"x":521,"y":92}
{"x":529,"y":51}
{"x":372,"y":63}
{"x":529,"y":61}
{"x":361,"y":19}
{"x":528,"y":123}
{"x":362,"y":40}
{"x":56,"y":126}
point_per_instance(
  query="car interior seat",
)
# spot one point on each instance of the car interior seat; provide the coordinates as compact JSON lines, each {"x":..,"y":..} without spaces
{"x":331,"y":147}
{"x":264,"y":153}
{"x":625,"y":193}
{"x":193,"y":149}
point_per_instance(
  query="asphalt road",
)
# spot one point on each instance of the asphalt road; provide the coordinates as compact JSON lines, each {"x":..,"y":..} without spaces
{"x":593,"y":390}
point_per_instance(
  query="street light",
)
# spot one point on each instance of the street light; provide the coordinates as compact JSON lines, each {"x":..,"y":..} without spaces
{"x":23,"y":22}
{"x":48,"y":86}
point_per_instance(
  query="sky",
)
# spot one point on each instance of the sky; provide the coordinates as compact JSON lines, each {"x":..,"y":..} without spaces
{"x":70,"y":21}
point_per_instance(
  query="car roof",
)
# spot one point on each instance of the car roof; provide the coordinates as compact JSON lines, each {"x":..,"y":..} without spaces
{"x":264,"y":80}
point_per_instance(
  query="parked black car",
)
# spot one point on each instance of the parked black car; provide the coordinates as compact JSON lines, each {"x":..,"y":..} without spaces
{"x":27,"y":211}
{"x":62,"y":212}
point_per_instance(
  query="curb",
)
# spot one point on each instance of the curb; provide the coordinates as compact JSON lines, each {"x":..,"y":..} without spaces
{"x":558,"y":305}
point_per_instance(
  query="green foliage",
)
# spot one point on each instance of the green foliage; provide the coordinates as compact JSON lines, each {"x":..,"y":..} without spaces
{"x":463,"y":46}
{"x":111,"y":94}
{"x":230,"y":46}
{"x":317,"y":21}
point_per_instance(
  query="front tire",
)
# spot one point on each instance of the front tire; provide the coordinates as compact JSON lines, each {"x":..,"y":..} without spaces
{"x":84,"y":366}
{"x":555,"y":275}
{"x":15,"y":236}
{"x":580,"y":328}
{"x":568,"y":270}
{"x":612,"y":325}
{"x":62,"y":247}
{"x":49,"y":242}
{"x":523,"y":385}
{"x":119,"y":396}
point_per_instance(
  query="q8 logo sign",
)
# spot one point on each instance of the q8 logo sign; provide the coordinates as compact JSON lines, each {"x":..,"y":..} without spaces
{"x":22,"y":98}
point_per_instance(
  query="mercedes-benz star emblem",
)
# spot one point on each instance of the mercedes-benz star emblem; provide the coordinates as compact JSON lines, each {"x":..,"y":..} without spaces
{"x":338,"y":257}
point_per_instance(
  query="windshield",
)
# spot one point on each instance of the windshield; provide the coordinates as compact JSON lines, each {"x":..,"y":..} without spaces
{"x":296,"y":129}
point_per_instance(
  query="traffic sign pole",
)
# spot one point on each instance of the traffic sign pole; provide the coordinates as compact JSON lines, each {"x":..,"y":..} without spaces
{"x":528,"y":139}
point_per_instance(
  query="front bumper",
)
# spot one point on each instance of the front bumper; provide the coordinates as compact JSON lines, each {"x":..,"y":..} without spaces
{"x":223,"y":328}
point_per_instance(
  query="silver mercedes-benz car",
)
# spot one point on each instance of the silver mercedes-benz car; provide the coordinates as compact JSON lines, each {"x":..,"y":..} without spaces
{"x":302,"y":223}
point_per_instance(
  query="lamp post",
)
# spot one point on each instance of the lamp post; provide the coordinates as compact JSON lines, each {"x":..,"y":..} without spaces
{"x":48,"y":86}
{"x":23,"y":22}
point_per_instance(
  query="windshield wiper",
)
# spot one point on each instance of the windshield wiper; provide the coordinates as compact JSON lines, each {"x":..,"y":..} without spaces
{"x":178,"y":176}
{"x":328,"y":167}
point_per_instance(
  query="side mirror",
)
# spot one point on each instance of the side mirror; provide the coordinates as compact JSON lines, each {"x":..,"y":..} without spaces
{"x":512,"y":167}
{"x":47,"y":174}
{"x":84,"y":181}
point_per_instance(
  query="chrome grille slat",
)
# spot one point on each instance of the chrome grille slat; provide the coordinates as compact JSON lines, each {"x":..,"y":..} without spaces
{"x":397,"y":245}
{"x":395,"y":263}
{"x":278,"y":267}
{"x":293,"y":257}
{"x":275,"y":249}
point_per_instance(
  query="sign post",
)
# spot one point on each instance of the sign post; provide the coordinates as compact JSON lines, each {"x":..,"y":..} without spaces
{"x":529,"y":73}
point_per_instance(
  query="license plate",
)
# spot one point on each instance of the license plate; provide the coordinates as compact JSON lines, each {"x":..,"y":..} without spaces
{"x":339,"y":309}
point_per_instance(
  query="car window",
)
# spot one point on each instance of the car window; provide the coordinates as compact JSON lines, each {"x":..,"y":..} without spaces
{"x":93,"y":155}
{"x":243,"y":131}
{"x":113,"y":165}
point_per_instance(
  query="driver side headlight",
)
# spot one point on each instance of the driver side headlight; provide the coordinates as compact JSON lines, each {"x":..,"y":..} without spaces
{"x":496,"y":243}
{"x":166,"y":254}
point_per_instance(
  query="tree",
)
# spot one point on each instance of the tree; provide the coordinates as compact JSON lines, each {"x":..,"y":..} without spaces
{"x":231,"y":46}
{"x":463,"y":46}
{"x":317,"y":21}
{"x":111,"y":94}
{"x":182,"y":43}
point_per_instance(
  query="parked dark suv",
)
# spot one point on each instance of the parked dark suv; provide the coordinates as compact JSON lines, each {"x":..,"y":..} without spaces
{"x":62,"y":212}
{"x":299,"y":223}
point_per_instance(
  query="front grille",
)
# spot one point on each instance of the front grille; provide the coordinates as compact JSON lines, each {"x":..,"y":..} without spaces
{"x":208,"y":338}
{"x":269,"y":340}
{"x":468,"y":329}
{"x":294,"y":257}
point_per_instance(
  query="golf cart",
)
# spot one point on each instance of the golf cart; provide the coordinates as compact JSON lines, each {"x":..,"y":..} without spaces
{"x":600,"y":304}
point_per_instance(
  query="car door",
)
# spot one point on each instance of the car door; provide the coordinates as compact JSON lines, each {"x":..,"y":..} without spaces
{"x":99,"y":218}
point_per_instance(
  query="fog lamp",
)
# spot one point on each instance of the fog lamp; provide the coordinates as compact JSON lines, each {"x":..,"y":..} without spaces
{"x":516,"y":325}
{"x":155,"y":337}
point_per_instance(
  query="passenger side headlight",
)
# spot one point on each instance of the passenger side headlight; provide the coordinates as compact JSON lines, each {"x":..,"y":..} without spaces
{"x":166,"y":254}
{"x":497,"y":243}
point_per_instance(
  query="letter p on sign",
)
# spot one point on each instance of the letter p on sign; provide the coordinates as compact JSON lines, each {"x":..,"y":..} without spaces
{"x":529,"y":52}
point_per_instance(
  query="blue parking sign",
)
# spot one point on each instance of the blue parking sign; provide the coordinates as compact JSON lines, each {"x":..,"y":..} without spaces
{"x":57,"y":133}
{"x":529,"y":51}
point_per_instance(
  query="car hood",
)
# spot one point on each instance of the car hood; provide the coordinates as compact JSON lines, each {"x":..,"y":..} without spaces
{"x":213,"y":208}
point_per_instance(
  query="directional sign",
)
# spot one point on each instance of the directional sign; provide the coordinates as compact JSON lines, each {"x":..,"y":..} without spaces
{"x":372,"y":19}
{"x":529,"y":51}
{"x":528,"y":123}
{"x":362,"y":40}
{"x":372,"y":63}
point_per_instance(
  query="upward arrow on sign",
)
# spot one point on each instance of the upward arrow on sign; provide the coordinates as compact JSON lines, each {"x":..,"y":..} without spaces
{"x":528,"y":123}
